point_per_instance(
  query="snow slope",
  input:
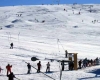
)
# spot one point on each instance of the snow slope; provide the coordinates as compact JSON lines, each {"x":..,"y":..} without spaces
{"x":24,"y":26}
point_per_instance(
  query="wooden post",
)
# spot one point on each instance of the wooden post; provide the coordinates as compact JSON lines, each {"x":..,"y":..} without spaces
{"x":75,"y":61}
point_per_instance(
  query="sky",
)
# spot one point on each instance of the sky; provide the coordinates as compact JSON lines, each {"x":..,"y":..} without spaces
{"x":38,"y":2}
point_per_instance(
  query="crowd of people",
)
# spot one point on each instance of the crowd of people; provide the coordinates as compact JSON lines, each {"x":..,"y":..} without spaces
{"x":88,"y":62}
{"x":81,"y":64}
{"x":11,"y":75}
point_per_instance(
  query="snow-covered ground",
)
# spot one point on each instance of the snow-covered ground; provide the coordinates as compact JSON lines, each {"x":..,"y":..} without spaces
{"x":60,"y":31}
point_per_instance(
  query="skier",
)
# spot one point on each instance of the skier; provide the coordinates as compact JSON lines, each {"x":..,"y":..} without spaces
{"x":85,"y":63}
{"x":39,"y":66}
{"x":71,"y":65}
{"x":11,"y":46}
{"x":91,"y":61}
{"x":79,"y":13}
{"x":97,"y":61}
{"x":48,"y":67}
{"x":80,"y":62}
{"x":0,"y":69}
{"x":8,"y":67}
{"x":29,"y":68}
{"x":11,"y":76}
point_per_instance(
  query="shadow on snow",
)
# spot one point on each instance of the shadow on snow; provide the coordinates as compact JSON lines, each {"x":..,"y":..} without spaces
{"x":96,"y":72}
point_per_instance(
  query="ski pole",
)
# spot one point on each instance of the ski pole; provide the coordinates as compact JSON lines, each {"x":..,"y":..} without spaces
{"x":17,"y":78}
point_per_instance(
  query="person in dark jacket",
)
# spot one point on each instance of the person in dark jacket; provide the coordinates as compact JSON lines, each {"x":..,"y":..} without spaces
{"x":39,"y":66}
{"x":71,"y":65}
{"x":29,"y":68}
{"x":0,"y":69}
{"x":11,"y":76}
{"x":11,"y":46}
{"x":80,"y":63}
{"x":48,"y":67}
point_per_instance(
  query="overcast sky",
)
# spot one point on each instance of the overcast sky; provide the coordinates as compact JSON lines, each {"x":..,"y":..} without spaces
{"x":36,"y":2}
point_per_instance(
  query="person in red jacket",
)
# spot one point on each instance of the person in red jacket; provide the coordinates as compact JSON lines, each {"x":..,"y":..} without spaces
{"x":39,"y":66}
{"x":8,"y":67}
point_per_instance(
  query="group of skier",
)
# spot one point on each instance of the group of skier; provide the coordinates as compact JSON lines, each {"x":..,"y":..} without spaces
{"x":86,"y":62}
{"x":38,"y":67}
{"x":11,"y":75}
{"x":95,"y":21}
